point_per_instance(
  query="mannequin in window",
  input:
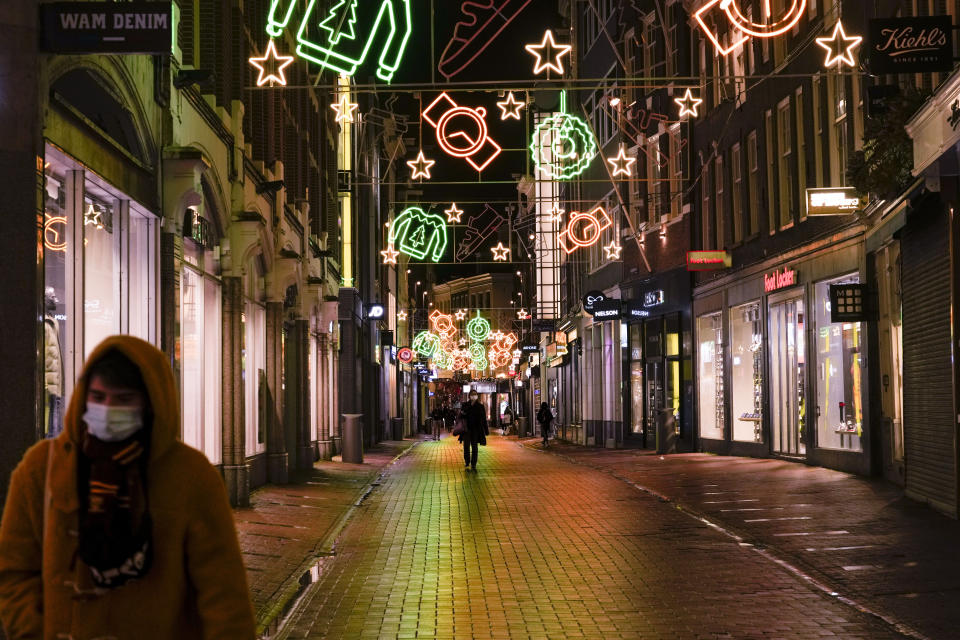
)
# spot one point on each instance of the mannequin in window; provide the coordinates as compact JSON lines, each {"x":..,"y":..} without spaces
{"x":52,"y":366}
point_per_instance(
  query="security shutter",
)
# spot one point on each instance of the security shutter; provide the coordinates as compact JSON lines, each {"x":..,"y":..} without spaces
{"x":930,"y":458}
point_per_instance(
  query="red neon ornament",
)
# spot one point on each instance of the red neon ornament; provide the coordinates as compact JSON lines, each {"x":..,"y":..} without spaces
{"x":474,"y":145}
{"x":443,"y":324}
{"x":584,"y":229}
{"x":771,"y":22}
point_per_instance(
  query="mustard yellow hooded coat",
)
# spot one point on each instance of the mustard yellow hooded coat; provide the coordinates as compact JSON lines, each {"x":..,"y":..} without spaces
{"x":196,"y":587}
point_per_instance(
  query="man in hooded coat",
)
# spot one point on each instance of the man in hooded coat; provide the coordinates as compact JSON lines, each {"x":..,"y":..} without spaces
{"x":115,"y":529}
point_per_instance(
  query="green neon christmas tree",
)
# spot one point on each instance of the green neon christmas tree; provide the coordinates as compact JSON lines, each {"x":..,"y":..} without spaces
{"x":334,"y":23}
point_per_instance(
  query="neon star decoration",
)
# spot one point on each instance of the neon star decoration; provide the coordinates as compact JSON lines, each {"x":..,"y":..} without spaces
{"x":510,"y":108}
{"x":401,"y":315}
{"x":390,"y":255}
{"x":461,"y":131}
{"x":421,"y":166}
{"x":584,"y":229}
{"x":773,"y":21}
{"x":461,"y":314}
{"x":688,"y":104}
{"x":839,"y":47}
{"x":523,"y":314}
{"x":345,"y":38}
{"x":453,"y":213}
{"x":93,"y":216}
{"x":613,"y":250}
{"x":563,"y":146}
{"x":555,"y":215}
{"x":622,"y":165}
{"x":552,"y":54}
{"x":500,"y":252}
{"x":419,"y":234}
{"x":277,"y":64}
{"x":345,"y":109}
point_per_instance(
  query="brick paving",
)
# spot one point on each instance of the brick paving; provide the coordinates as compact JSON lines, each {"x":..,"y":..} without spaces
{"x":286,"y":528}
{"x":532,"y":546}
{"x":857,"y":536}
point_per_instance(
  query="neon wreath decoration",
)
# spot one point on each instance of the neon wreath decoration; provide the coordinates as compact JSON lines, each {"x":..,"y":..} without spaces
{"x":478,"y":328}
{"x":563,"y":146}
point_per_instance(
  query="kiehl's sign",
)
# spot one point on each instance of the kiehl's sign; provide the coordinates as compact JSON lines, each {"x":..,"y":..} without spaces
{"x":911,"y":45}
{"x":107,"y":27}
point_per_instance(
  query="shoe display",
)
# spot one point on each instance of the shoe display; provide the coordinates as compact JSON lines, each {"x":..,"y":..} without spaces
{"x":484,"y":20}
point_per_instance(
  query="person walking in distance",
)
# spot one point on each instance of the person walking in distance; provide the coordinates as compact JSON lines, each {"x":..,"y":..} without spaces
{"x":115,"y":529}
{"x":545,"y":418}
{"x":475,"y":415}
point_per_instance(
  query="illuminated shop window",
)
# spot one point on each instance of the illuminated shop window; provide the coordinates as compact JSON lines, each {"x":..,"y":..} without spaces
{"x":710,"y":362}
{"x":746,"y":373}
{"x":840,"y":375}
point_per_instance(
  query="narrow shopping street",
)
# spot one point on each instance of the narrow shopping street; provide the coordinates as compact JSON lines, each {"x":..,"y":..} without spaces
{"x":533,"y":546}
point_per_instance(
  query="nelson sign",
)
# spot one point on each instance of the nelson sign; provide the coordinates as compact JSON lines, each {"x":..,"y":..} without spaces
{"x":911,"y":45}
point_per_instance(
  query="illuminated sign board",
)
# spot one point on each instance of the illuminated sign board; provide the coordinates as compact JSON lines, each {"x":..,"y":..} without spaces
{"x":375,"y":311}
{"x":635,"y":310}
{"x":833,"y":202}
{"x":780,"y":279}
{"x":592,"y":299}
{"x":107,"y":27}
{"x":708,"y":260}
{"x":530,"y":347}
{"x":405,"y":355}
{"x":607,"y":310}
{"x":653,"y":298}
{"x":911,"y":45}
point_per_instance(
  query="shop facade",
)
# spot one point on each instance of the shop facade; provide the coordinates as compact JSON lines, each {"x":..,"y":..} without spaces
{"x":780,"y":371}
{"x":656,"y":355}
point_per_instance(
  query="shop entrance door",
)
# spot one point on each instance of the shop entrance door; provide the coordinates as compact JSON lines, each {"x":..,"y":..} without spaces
{"x":787,"y":377}
{"x":655,"y":399}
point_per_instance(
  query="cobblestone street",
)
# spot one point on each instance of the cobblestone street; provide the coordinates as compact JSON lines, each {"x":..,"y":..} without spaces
{"x":532,"y":546}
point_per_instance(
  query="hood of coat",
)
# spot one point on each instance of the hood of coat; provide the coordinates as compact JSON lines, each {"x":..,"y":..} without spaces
{"x":161,"y":388}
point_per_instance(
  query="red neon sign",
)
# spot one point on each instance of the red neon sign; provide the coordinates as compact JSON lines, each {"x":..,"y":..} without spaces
{"x":779,"y":280}
{"x":584,"y":229}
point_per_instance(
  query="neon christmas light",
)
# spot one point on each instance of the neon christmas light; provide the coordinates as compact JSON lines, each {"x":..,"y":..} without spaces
{"x":555,"y":215}
{"x":481,"y":25}
{"x":584,"y":229}
{"x":345,"y":109}
{"x":499,"y":358}
{"x":421,"y":166}
{"x":426,"y":343}
{"x":461,"y":314}
{"x":480,"y":226}
{"x":93,"y":216}
{"x":419,"y":234}
{"x":478,"y":328}
{"x":340,"y":42}
{"x":688,"y":104}
{"x":276,"y":62}
{"x":556,"y":51}
{"x":51,"y":237}
{"x":442,"y":324}
{"x":500,"y":252}
{"x":613,"y":250}
{"x":839,"y":47}
{"x":472,"y":144}
{"x":401,"y":315}
{"x":563,"y":146}
{"x":442,"y":359}
{"x":453,"y":213}
{"x":622,"y":165}
{"x":523,"y":314}
{"x":478,"y":357}
{"x":390,"y":255}
{"x":771,"y":23}
{"x":510,"y":108}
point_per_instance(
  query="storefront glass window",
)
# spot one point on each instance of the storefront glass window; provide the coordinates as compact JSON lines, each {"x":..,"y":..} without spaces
{"x":100,"y":275}
{"x":746,"y":372}
{"x":254,"y":321}
{"x":788,"y":374}
{"x":839,"y":376}
{"x":710,"y":341}
{"x":200,"y":351}
{"x":636,"y":378}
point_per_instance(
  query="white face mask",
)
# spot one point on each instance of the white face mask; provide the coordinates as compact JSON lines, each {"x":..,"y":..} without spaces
{"x":112,"y":424}
{"x":473,"y":398}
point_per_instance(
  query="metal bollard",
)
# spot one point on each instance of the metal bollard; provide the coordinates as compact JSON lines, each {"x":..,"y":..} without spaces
{"x":352,"y":438}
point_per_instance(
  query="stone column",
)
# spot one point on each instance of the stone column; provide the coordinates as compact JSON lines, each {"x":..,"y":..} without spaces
{"x":278,"y":463}
{"x":326,"y":396}
{"x":171,"y":254}
{"x":236,"y":472}
{"x":335,"y":426}
{"x":301,"y":384}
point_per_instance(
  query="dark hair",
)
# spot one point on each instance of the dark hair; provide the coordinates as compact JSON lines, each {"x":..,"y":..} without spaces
{"x":117,"y":370}
{"x":544,"y":405}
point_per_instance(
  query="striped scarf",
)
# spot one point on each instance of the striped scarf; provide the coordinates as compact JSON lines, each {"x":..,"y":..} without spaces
{"x":115,"y":531}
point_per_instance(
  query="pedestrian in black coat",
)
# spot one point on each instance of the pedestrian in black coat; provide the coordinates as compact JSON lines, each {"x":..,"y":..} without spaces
{"x":475,"y":415}
{"x":545,"y":418}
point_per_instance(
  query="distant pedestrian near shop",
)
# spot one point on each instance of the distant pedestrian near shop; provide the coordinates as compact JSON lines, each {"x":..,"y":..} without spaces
{"x":545,"y":418}
{"x":115,"y":529}
{"x":475,"y":416}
